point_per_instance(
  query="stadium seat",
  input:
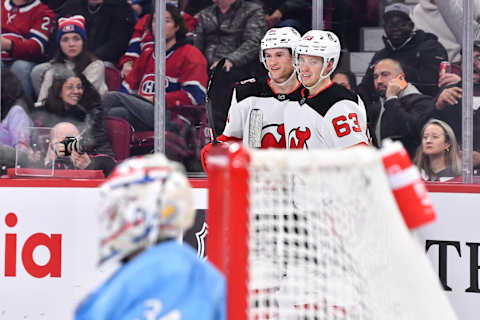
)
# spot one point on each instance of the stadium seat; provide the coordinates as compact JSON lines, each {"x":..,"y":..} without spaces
{"x":113,"y":79}
{"x":119,"y":134}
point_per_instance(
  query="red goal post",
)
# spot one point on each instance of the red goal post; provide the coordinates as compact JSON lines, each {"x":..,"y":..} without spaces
{"x":315,"y":235}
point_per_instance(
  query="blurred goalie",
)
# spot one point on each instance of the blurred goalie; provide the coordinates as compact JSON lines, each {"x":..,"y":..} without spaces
{"x":147,"y":204}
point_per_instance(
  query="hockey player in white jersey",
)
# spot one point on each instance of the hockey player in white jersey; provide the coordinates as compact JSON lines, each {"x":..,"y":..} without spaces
{"x":147,"y":205}
{"x":328,"y":116}
{"x":262,"y":104}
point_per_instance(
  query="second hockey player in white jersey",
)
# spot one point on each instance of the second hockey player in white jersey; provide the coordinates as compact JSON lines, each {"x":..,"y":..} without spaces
{"x":328,"y":116}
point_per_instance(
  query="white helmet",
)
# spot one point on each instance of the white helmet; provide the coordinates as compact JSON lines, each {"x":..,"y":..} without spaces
{"x":285,"y":37}
{"x":145,"y":199}
{"x":319,"y":43}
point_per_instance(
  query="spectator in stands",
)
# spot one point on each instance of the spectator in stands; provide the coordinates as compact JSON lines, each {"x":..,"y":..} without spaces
{"x":419,"y":53}
{"x":15,"y":120}
{"x":141,"y":39}
{"x":71,"y":155}
{"x":147,"y":204}
{"x":109,"y":25}
{"x":72,"y":98}
{"x":185,"y":70}
{"x":193,"y":7}
{"x":26,"y":26}
{"x":345,"y":78}
{"x":288,"y":13}
{"x":400,"y":111}
{"x":438,"y":156}
{"x":141,"y":7}
{"x":448,"y":104}
{"x":230,"y":29}
{"x":452,"y":13}
{"x":427,"y":16}
{"x":72,"y":54}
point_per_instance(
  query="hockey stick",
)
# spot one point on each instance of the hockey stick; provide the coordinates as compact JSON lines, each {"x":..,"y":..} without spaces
{"x":255,"y":124}
{"x":208,"y":100}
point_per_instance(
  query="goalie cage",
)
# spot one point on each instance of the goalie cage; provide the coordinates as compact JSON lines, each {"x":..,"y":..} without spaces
{"x":315,"y":235}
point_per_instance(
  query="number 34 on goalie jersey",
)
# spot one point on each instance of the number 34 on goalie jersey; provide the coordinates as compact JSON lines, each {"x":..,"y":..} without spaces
{"x":334,"y":118}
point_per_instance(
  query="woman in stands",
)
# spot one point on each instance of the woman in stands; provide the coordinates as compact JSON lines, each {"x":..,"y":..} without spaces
{"x":186,"y":77}
{"x":345,"y":78}
{"x":72,"y":98}
{"x":72,"y":54}
{"x":438,"y":156}
{"x":186,"y":71}
{"x":15,"y":120}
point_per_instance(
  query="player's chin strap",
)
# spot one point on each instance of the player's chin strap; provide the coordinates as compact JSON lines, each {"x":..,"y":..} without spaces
{"x":322,"y":77}
{"x":281,"y":84}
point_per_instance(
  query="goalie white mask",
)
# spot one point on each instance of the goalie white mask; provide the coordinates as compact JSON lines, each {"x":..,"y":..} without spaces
{"x":146,"y":199}
{"x":319,"y":43}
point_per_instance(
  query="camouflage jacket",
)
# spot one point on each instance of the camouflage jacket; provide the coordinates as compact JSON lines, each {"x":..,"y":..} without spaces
{"x":237,"y":37}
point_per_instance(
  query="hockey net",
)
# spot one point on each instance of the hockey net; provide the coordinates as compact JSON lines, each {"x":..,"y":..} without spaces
{"x":315,"y":235}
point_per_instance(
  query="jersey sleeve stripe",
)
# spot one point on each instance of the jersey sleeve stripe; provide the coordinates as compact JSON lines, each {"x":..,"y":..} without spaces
{"x":38,"y":34}
{"x":196,"y":94}
{"x":195,"y":83}
{"x":42,"y":47}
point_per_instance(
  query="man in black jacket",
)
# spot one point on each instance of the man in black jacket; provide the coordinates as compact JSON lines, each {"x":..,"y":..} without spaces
{"x":419,"y":53}
{"x":109,"y":25}
{"x":400,"y":111}
{"x":230,"y":29}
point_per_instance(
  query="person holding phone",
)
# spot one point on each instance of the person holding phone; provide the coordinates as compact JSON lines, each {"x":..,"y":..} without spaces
{"x":401,"y":110}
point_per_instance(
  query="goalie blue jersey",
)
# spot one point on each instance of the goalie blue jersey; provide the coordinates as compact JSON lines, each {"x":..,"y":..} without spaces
{"x":167,"y":281}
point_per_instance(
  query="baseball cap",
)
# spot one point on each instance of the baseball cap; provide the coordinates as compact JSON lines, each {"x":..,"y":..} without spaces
{"x":398,"y":8}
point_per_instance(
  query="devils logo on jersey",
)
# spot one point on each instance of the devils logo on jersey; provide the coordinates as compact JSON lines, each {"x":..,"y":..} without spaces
{"x":273,"y":136}
{"x":298,"y":138}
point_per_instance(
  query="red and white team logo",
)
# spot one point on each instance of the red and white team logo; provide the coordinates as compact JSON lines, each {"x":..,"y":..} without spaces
{"x":298,"y":138}
{"x":273,"y":136}
{"x":147,"y":86}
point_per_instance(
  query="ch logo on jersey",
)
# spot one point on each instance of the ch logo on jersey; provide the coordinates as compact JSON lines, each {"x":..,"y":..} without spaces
{"x":298,"y":138}
{"x":273,"y":136}
{"x":147,"y":87}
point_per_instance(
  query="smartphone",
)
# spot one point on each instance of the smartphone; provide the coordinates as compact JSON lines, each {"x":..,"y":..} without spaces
{"x":403,"y":82}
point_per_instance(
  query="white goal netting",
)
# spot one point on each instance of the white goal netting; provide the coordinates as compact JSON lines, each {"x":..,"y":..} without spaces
{"x":326,"y":241}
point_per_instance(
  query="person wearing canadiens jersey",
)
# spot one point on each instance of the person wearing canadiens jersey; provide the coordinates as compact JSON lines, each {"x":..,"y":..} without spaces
{"x":270,"y":96}
{"x":328,"y":115}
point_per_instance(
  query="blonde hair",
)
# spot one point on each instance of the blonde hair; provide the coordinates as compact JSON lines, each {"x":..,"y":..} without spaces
{"x":452,"y":154}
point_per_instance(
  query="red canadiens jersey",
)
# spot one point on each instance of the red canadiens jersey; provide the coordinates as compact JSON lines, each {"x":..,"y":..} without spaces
{"x":140,"y":40}
{"x":28,"y":26}
{"x":186,"y":71}
{"x":333,"y":118}
{"x":142,"y":37}
{"x":259,"y":95}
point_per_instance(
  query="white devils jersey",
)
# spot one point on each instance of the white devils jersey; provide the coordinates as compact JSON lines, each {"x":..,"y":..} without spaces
{"x":251,"y":95}
{"x":333,"y":118}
